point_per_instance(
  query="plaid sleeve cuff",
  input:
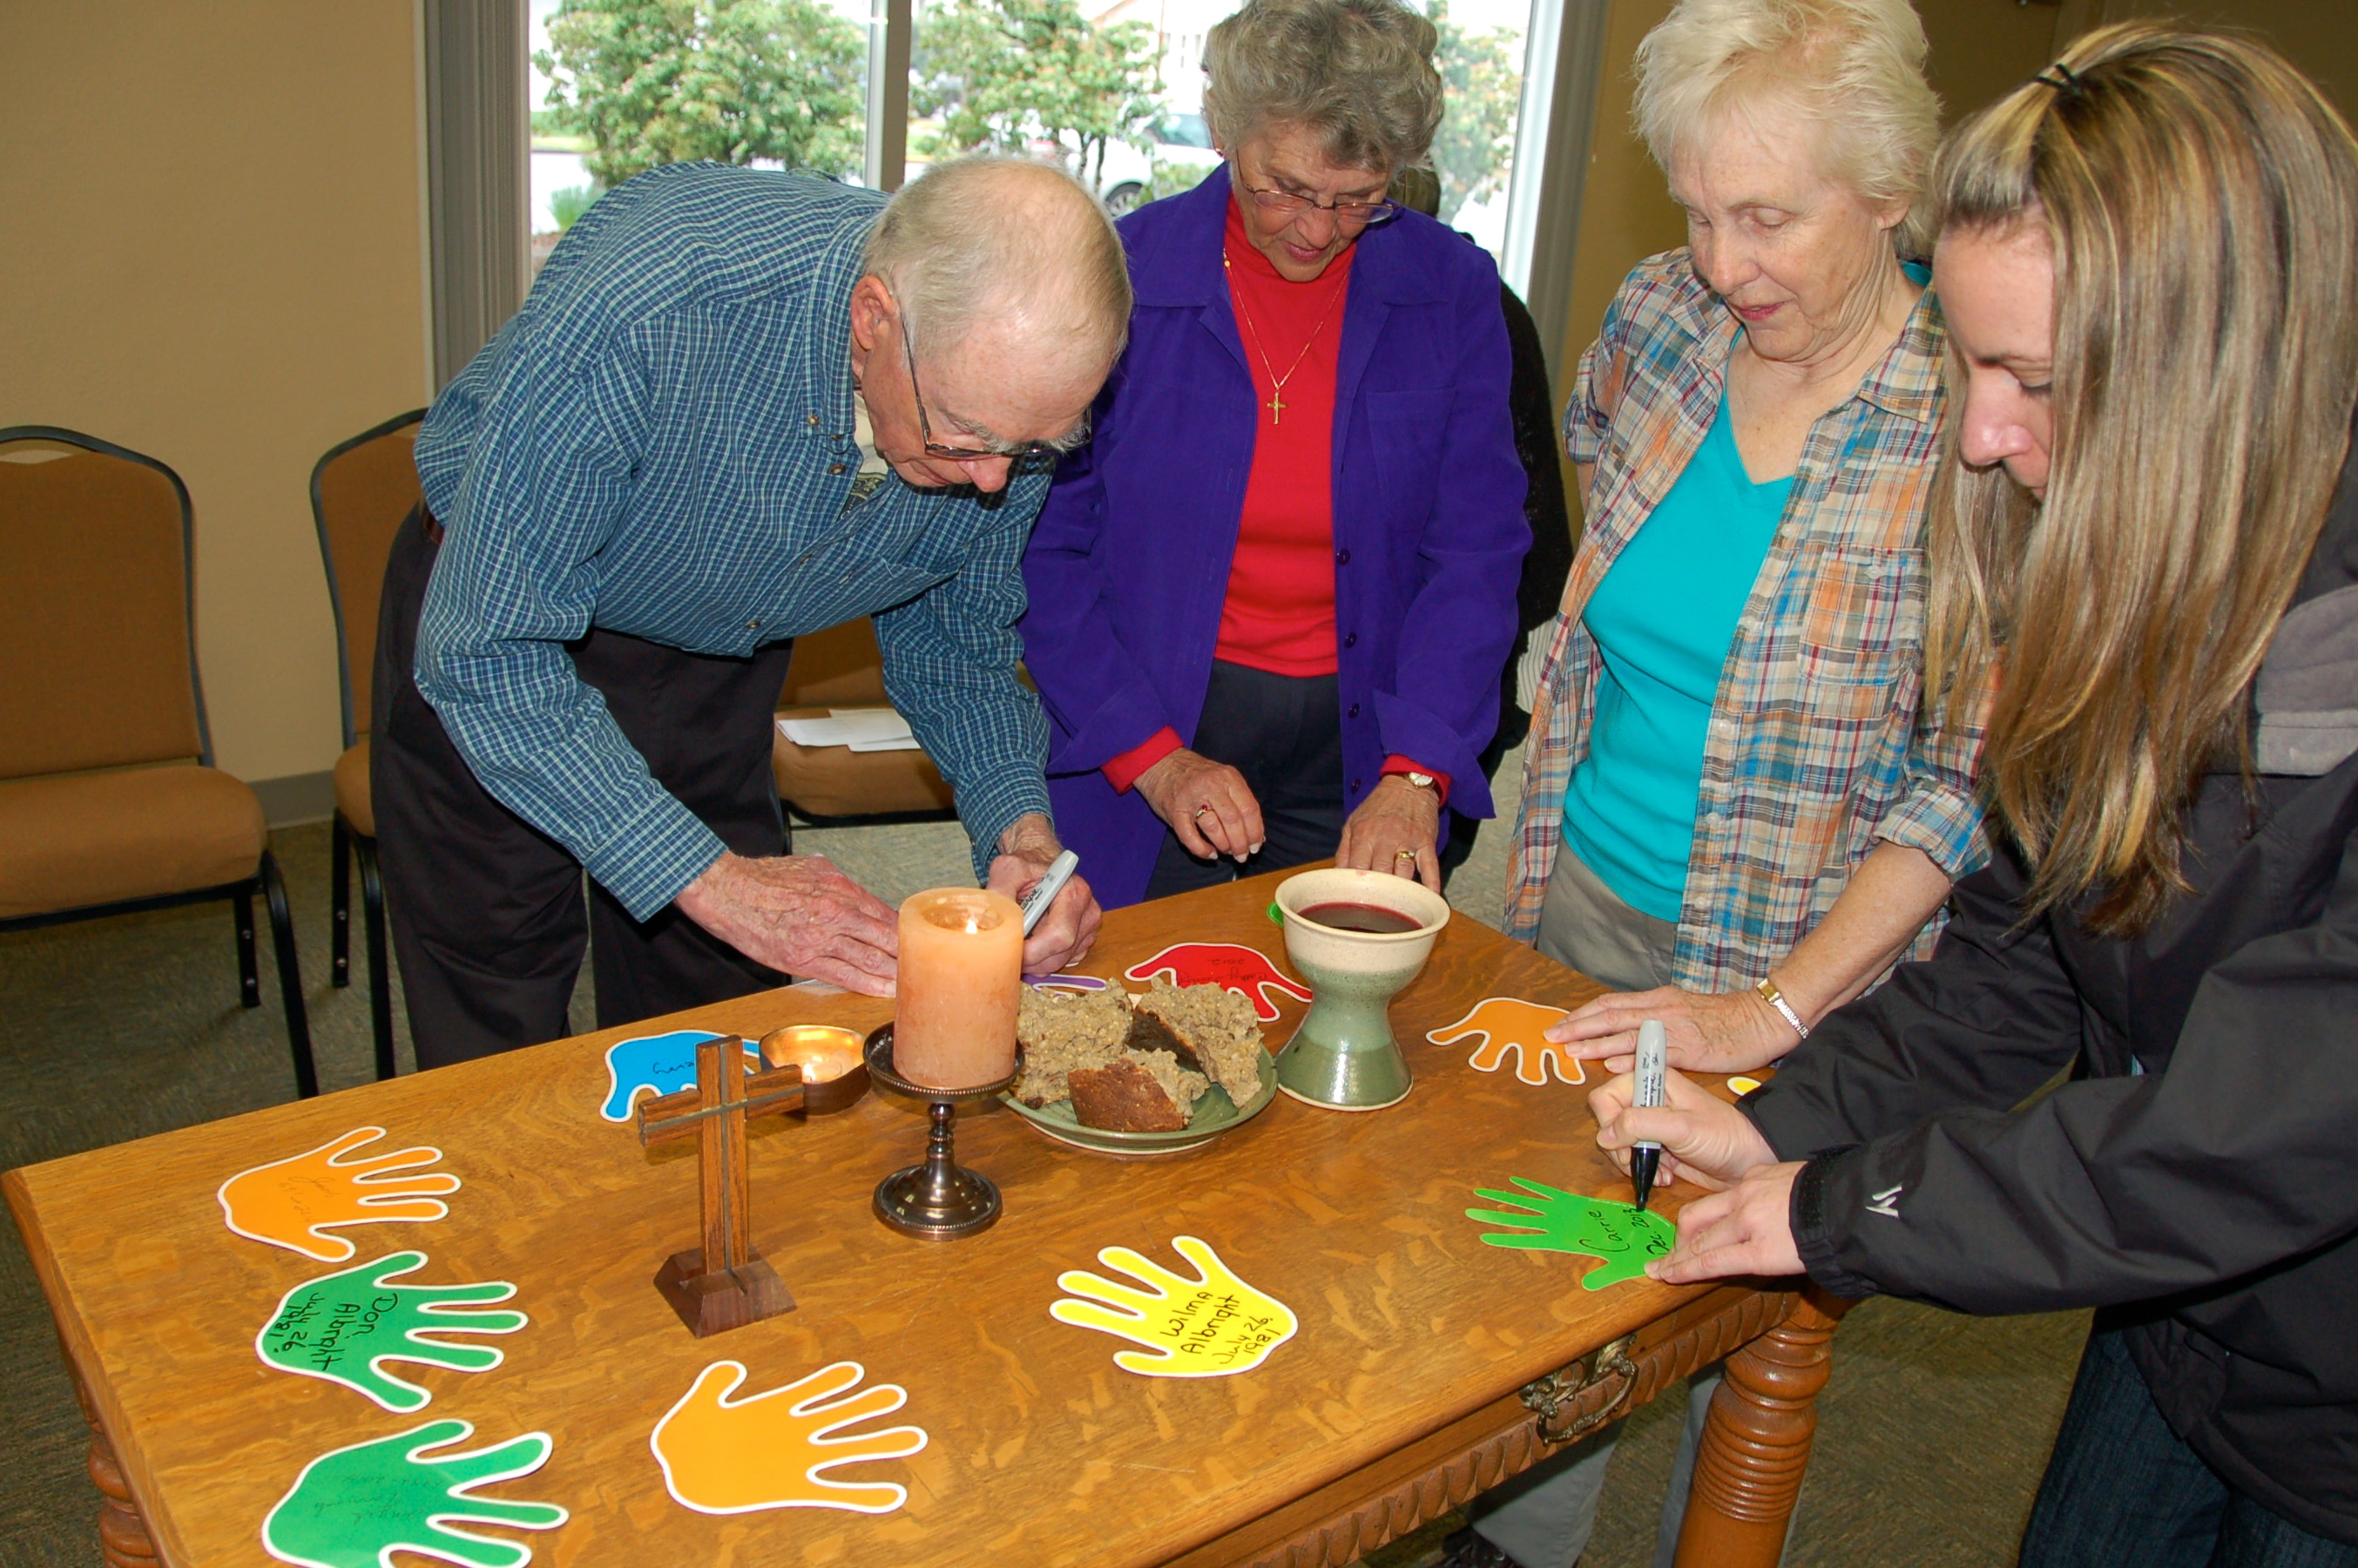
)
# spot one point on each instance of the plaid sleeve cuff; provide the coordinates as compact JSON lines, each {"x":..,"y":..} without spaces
{"x":1944,"y":822}
{"x":657,"y":851}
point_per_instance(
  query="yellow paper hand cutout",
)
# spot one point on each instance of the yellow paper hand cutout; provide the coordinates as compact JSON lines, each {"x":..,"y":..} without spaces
{"x":721,"y":1455}
{"x":1507,"y":1024}
{"x":292,"y":1203}
{"x":1207,"y":1327}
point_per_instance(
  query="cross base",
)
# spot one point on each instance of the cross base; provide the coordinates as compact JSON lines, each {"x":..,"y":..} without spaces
{"x":724,"y":1299}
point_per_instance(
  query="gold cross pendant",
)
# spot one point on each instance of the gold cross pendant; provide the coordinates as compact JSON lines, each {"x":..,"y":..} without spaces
{"x":1276,"y":408}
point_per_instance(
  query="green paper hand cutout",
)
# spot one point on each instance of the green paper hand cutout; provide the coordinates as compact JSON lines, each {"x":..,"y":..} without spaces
{"x":1553,"y":1221}
{"x":354,"y":1507}
{"x":345,"y":1326}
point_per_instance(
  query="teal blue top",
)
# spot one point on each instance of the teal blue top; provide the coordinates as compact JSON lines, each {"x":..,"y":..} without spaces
{"x":1663,"y":620}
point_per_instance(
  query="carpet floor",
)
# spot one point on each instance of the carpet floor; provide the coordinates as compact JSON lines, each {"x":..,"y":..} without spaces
{"x":1935,"y":1427}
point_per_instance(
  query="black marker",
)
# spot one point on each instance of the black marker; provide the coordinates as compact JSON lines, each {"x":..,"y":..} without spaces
{"x":1653,"y":1061}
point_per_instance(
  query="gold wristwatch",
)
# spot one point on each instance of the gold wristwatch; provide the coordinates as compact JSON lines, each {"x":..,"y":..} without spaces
{"x":1776,"y":998}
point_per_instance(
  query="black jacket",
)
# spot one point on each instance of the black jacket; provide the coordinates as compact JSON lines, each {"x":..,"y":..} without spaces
{"x":2199,"y":1177}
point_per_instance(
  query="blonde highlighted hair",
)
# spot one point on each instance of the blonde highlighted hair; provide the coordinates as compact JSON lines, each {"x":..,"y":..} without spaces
{"x":2201,"y":200}
{"x":1855,"y":68}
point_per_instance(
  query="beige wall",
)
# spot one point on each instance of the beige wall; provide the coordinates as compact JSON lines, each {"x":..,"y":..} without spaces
{"x":212,"y":256}
{"x":2321,"y":36}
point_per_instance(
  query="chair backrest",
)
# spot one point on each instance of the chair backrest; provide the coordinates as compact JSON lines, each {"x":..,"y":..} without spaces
{"x":360,"y":492}
{"x":98,"y":662}
{"x":840,"y":667}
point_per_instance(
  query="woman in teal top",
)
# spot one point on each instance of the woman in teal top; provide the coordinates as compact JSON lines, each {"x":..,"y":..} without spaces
{"x":1662,"y":619}
{"x":1736,"y":813}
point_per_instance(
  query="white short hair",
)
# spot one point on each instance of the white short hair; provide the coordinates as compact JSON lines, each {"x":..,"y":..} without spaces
{"x":1855,"y":68}
{"x":987,"y":238}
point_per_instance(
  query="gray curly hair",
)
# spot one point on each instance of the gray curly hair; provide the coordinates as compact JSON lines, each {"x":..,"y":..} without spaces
{"x":1358,"y":73}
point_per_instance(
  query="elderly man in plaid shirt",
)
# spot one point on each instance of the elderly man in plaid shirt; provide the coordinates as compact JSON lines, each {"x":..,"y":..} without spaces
{"x":738,"y":406}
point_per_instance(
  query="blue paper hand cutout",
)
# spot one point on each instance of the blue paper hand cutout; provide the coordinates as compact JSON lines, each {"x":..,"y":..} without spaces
{"x":657,"y":1065}
{"x":354,"y":1507}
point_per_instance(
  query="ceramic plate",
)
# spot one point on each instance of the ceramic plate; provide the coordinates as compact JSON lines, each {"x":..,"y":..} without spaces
{"x":1215,"y":1113}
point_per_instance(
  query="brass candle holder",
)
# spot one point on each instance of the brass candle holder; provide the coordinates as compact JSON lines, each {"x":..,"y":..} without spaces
{"x":937,"y":1200}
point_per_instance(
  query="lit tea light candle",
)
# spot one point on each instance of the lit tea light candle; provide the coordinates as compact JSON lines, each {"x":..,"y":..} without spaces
{"x":961,"y":973}
{"x":822,"y":1051}
{"x":834,"y":1073}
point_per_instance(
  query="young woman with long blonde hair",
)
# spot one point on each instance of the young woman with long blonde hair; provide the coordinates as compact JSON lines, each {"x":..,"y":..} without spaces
{"x":2148,"y":542}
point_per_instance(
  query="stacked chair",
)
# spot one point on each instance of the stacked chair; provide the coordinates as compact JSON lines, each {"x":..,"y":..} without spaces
{"x":360,"y":492}
{"x":109,"y":799}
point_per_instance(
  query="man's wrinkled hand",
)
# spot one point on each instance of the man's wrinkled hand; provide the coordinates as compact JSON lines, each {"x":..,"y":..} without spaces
{"x":1745,"y":1230}
{"x":1069,"y":929}
{"x":1208,"y":805}
{"x":798,"y":914}
{"x":1397,"y":829}
{"x":1710,"y":1032}
{"x":1704,"y":1138}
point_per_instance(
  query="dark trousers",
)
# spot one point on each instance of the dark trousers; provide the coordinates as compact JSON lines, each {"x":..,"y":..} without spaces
{"x":488,"y":912}
{"x":2123,"y":1488}
{"x":1284,"y":733}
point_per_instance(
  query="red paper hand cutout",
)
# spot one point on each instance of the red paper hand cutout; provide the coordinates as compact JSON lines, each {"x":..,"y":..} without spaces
{"x":1507,"y":1024}
{"x":1244,"y":970}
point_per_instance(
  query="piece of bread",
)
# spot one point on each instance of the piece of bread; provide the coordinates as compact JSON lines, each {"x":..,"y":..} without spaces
{"x":1207,"y":1027}
{"x":1139,"y":1091}
{"x":1059,"y":1031}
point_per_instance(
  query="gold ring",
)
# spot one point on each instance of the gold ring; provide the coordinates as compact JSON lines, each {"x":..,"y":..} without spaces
{"x":1403,"y":854}
{"x":1200,"y":810}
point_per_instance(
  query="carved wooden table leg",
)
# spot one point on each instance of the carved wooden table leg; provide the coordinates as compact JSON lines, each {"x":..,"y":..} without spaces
{"x":1755,"y":1443}
{"x":122,"y":1537}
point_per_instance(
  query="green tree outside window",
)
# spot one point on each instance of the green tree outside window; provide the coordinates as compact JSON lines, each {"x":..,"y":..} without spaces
{"x":1006,"y":74}
{"x":656,"y":81}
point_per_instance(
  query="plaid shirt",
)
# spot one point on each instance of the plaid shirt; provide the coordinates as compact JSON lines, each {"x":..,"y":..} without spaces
{"x":661,"y":443}
{"x":1816,"y":749}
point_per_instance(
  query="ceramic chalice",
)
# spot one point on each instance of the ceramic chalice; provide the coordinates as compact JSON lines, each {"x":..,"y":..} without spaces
{"x":1343,"y":1055}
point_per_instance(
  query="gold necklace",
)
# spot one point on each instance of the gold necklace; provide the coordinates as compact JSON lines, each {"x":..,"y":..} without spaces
{"x":1277,"y":383}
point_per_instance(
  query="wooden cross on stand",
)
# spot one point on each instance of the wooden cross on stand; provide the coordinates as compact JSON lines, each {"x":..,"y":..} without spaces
{"x":724,"y":1283}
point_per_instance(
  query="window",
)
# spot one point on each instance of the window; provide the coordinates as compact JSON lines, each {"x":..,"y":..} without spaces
{"x":1114,"y":89}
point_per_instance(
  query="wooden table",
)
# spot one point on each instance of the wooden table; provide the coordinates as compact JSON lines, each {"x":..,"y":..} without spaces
{"x":1425,"y":1365}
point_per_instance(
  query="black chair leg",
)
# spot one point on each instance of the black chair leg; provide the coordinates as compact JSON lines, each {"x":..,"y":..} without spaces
{"x":378,"y":966}
{"x":249,"y":978}
{"x":290,"y":979}
{"x":339,"y":904}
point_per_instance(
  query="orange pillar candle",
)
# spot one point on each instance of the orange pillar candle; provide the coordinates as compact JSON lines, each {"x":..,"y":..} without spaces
{"x":961,"y":971}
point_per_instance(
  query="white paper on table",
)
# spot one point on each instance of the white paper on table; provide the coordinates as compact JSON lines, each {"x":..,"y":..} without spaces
{"x":904,"y":743}
{"x":849,"y":727}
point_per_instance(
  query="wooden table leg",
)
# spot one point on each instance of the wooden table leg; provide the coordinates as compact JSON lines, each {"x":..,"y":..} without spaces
{"x":122,"y":1537}
{"x":1756,"y":1442}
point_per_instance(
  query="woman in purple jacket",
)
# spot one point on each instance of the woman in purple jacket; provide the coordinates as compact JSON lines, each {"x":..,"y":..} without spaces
{"x":1270,"y":601}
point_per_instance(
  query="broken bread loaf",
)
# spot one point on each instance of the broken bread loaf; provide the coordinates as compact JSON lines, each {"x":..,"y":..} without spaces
{"x":1139,"y":1091}
{"x":1209,"y":1028}
{"x":1136,"y":1063}
{"x":1060,"y":1030}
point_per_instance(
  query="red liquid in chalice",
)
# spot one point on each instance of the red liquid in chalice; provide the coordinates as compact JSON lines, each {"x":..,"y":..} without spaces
{"x":1373,"y":918}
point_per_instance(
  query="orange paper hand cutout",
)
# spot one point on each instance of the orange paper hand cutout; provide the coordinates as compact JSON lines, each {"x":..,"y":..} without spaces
{"x":721,"y":1455}
{"x":1507,"y":1024}
{"x":292,"y":1203}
